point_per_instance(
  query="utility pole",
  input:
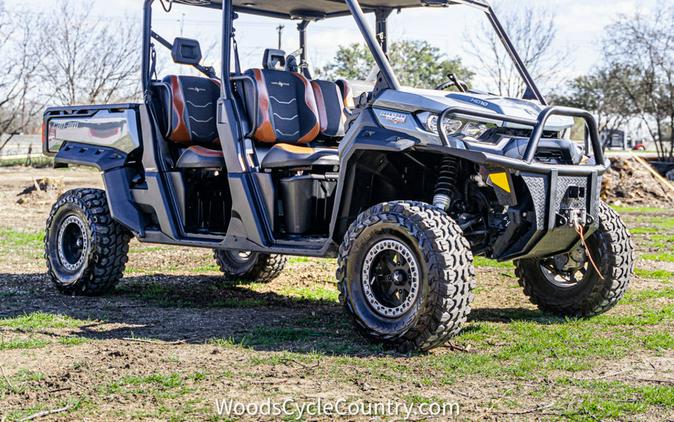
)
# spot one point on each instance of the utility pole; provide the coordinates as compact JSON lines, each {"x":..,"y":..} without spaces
{"x":182,"y":25}
{"x":280,"y":29}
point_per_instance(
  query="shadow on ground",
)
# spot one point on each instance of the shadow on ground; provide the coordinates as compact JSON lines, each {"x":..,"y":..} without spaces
{"x":200,"y":309}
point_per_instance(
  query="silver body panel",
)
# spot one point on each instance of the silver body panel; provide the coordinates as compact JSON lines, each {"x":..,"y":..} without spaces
{"x":105,"y":128}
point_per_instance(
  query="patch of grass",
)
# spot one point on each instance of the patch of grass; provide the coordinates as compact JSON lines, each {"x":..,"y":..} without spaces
{"x":659,"y":341}
{"x":206,"y":269}
{"x":643,"y":230}
{"x":604,"y":400}
{"x":38,"y":162}
{"x":16,"y":239}
{"x":654,"y":274}
{"x":271,"y":336}
{"x":227,"y":343}
{"x":659,"y":257}
{"x":315,"y":293}
{"x":644,"y":316}
{"x":641,"y":295}
{"x":72,"y":341}
{"x":299,"y":260}
{"x":20,"y":344}
{"x":481,"y":261}
{"x":42,"y":321}
{"x":147,"y":249}
{"x":660,"y":223}
{"x":638,"y":210}
{"x":157,"y":386}
{"x":158,"y":380}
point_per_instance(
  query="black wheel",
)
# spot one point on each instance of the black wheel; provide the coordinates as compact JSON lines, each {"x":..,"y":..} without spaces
{"x":405,"y":275}
{"x":241,"y":266}
{"x":568,"y":285}
{"x":86,"y":250}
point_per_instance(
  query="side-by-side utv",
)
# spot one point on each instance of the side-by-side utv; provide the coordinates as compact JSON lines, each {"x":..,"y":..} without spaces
{"x":403,"y":186}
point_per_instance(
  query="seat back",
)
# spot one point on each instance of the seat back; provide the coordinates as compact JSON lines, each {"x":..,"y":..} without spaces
{"x":347,"y":93}
{"x":286,"y":107}
{"x":191,"y":104}
{"x":331,"y":108}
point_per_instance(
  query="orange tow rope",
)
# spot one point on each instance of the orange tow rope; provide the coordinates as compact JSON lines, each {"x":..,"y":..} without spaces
{"x":581,"y":233}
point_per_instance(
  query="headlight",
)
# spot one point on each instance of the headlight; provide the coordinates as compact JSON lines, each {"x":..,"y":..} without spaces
{"x":474,"y":129}
{"x":450,"y":126}
{"x":458,"y":128}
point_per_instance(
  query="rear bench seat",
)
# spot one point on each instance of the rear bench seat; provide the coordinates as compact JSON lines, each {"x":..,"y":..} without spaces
{"x":191,"y":106}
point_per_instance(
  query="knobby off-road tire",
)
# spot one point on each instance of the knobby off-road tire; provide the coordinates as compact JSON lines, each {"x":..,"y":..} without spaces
{"x":85,"y":249}
{"x":444,"y":266}
{"x":611,"y":248}
{"x":240,"y":266}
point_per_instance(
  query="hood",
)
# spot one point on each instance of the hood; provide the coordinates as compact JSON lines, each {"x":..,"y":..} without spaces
{"x":416,"y":100}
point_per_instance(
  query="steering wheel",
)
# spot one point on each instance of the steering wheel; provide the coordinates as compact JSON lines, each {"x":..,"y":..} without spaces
{"x":453,"y":81}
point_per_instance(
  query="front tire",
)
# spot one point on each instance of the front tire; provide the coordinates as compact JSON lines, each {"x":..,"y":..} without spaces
{"x":240,"y":266}
{"x":405,"y":275}
{"x":588,"y":294}
{"x":85,"y":249}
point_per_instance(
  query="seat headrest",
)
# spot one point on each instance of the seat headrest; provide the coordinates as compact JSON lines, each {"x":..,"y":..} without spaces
{"x":273,"y":58}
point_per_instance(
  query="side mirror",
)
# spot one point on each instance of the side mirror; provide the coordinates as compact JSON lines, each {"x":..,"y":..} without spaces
{"x":186,"y":51}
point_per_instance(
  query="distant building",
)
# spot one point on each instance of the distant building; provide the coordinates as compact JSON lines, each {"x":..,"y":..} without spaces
{"x":615,"y":139}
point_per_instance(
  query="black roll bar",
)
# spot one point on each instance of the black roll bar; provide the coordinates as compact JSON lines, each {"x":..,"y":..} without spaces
{"x":538,"y":126}
{"x":379,"y":55}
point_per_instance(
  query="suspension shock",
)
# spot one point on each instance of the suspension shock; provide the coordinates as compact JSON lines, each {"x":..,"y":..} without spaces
{"x":444,"y":187}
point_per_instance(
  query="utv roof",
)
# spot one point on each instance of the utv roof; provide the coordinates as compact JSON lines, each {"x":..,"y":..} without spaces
{"x":320,"y":9}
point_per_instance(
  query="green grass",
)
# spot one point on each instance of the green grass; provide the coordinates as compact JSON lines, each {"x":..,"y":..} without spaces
{"x":42,"y":321}
{"x":638,"y":210}
{"x":35,"y":162}
{"x":22,"y":343}
{"x":10,"y":239}
{"x":646,"y":294}
{"x":273,"y":336}
{"x":643,"y":230}
{"x":654,"y":274}
{"x":481,"y":262}
{"x":157,"y":387}
{"x":315,"y":293}
{"x":602,"y":400}
{"x":72,"y":341}
{"x":661,"y":223}
{"x":660,"y":257}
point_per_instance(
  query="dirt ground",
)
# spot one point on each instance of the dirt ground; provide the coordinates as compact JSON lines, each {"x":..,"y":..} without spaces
{"x":172,"y":339}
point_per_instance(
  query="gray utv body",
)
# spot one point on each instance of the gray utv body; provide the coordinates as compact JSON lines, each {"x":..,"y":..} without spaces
{"x":542,"y":190}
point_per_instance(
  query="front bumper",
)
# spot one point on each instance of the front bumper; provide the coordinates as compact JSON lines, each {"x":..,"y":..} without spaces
{"x":545,"y":202}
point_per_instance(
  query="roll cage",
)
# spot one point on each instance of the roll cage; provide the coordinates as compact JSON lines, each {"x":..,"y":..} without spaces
{"x":306,"y":11}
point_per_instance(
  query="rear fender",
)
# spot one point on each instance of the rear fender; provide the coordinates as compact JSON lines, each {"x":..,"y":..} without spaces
{"x":117,"y":177}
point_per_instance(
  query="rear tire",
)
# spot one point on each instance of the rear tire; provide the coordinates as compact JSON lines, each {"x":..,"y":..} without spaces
{"x":405,"y":275}
{"x":611,"y":248}
{"x":239,"y":266}
{"x":85,"y":249}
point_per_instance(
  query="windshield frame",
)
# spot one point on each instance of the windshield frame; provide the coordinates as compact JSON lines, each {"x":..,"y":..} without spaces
{"x":387,"y":70}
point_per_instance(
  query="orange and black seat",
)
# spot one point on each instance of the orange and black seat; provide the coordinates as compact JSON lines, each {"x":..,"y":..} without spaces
{"x":287,"y":113}
{"x":191,"y":104}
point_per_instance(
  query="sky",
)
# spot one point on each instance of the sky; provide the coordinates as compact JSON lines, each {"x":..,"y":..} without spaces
{"x":580,"y":28}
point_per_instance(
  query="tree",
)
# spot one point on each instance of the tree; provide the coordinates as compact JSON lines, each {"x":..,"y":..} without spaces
{"x":22,"y":55}
{"x":602,"y":94}
{"x":641,"y":49}
{"x":532,"y":31}
{"x":90,"y":60}
{"x":416,"y":63}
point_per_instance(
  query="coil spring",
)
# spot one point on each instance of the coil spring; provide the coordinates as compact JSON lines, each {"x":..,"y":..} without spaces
{"x":444,"y":187}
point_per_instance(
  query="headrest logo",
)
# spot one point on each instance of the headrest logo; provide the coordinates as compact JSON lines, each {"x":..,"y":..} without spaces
{"x":196,"y":89}
{"x":280,"y":84}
